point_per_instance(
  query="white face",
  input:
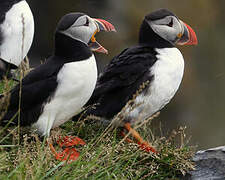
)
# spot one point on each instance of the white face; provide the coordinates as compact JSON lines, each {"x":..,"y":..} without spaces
{"x":83,"y":29}
{"x":169,"y":28}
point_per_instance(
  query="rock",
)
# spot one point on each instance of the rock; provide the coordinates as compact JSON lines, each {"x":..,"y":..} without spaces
{"x":210,"y":165}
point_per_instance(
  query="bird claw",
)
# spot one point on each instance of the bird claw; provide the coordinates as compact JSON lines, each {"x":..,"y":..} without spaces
{"x":69,"y":141}
{"x":142,"y":144}
{"x":146,"y":147}
{"x":69,"y":153}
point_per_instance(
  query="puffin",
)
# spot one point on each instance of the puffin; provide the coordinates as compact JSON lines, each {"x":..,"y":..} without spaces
{"x":16,"y":34}
{"x":56,"y":90}
{"x":148,"y":74}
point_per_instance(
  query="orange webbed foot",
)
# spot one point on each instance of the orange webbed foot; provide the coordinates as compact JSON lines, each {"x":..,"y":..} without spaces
{"x":146,"y":147}
{"x":142,"y":144}
{"x":69,"y":153}
{"x":69,"y":141}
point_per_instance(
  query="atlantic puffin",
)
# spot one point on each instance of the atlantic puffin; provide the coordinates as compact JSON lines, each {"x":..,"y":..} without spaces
{"x":56,"y":90}
{"x":16,"y":34}
{"x":154,"y":64}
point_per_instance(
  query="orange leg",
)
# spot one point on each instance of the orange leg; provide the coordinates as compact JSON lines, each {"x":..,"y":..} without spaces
{"x":143,"y":144}
{"x":122,"y":133}
{"x":69,"y":153}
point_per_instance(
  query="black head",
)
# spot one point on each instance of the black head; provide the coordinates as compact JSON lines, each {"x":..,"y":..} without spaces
{"x":76,"y":31}
{"x":162,"y":28}
{"x":68,"y":20}
{"x":159,"y":14}
{"x":78,"y":26}
{"x":81,"y":27}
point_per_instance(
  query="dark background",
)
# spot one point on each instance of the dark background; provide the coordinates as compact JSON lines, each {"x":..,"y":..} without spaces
{"x":199,"y":103}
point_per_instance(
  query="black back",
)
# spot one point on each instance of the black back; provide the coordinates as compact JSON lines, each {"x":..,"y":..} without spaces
{"x":121,"y":79}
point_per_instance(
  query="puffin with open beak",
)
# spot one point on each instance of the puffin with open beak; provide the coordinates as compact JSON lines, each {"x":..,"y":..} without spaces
{"x":155,"y":62}
{"x":55,"y":91}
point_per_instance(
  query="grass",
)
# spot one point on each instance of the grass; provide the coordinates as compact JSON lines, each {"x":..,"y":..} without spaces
{"x":105,"y":156}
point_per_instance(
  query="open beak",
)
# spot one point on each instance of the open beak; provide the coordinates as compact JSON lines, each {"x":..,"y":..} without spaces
{"x":102,"y":25}
{"x":188,"y":37}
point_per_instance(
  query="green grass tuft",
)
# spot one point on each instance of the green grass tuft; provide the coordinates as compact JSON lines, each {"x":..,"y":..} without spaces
{"x":105,"y":156}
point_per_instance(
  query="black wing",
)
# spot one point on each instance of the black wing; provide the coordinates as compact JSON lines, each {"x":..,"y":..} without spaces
{"x":37,"y":86}
{"x":121,"y":80}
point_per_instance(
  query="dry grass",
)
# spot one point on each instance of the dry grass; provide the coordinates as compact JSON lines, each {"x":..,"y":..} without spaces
{"x":105,"y":155}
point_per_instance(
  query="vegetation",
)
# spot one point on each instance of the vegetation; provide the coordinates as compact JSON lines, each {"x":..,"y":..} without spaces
{"x":106,"y":154}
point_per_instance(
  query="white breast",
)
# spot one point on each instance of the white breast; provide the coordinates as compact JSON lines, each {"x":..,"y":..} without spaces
{"x":18,"y":32}
{"x":76,"y":83}
{"x":168,"y":72}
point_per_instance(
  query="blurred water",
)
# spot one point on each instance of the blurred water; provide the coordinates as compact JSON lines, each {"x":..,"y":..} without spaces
{"x":200,"y":101}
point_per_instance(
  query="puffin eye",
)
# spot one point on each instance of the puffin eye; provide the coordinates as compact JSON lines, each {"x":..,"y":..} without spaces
{"x":87,"y":22}
{"x":171,"y":23}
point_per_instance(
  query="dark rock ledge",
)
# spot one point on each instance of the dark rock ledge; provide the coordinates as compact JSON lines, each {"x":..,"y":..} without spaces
{"x":210,"y":165}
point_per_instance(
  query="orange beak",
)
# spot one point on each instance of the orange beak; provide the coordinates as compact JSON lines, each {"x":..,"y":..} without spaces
{"x":102,"y":25}
{"x":188,"y":37}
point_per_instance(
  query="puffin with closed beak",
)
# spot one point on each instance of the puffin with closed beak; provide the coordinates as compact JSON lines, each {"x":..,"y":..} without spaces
{"x":55,"y":91}
{"x":155,"y":65}
{"x":16,"y":34}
